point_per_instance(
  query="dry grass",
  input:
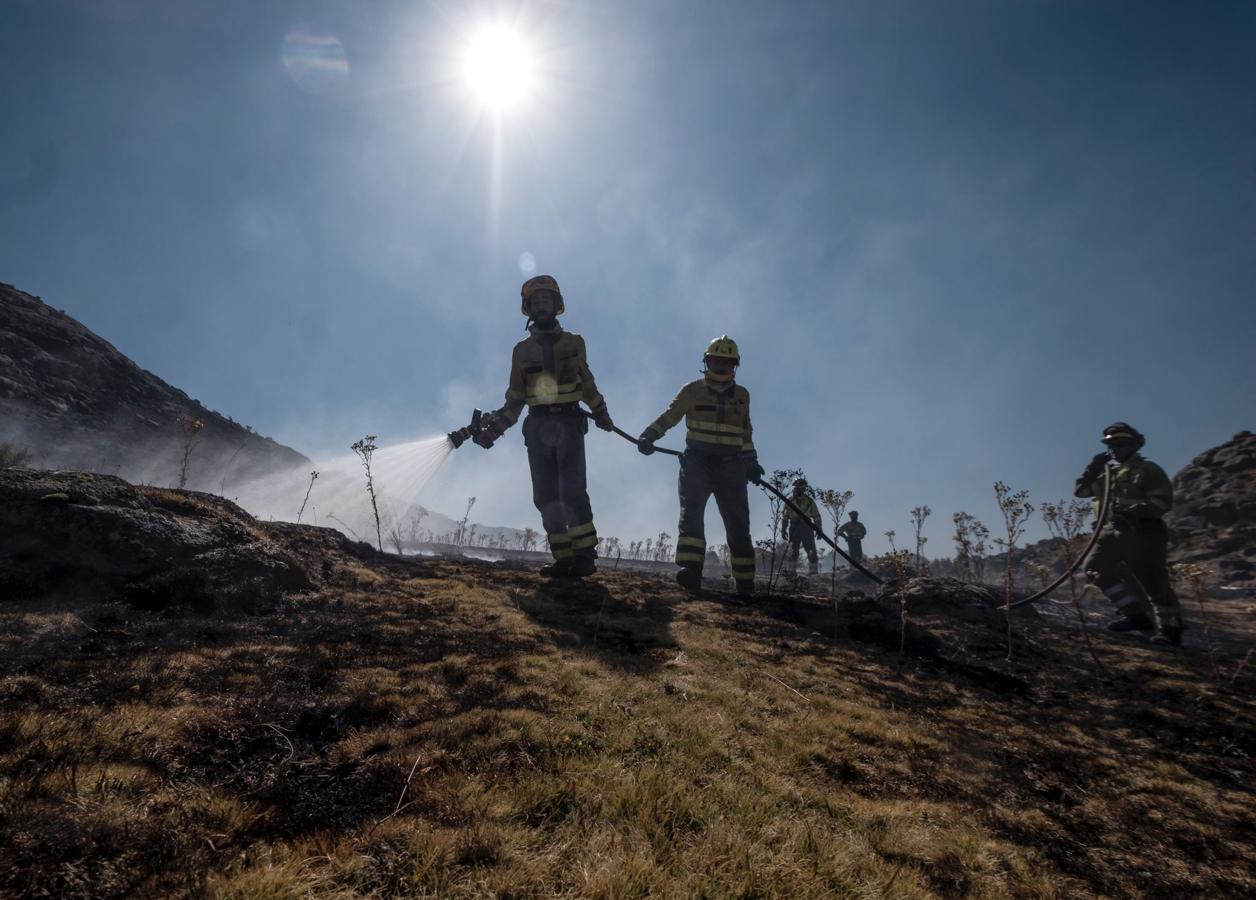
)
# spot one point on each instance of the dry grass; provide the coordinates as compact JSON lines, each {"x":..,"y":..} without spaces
{"x":457,"y":730}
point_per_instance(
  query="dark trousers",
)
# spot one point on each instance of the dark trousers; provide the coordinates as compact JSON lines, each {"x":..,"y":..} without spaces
{"x":556,"y":457}
{"x":701,"y":475}
{"x":800,"y":533}
{"x":1130,"y":565}
{"x":854,"y":549}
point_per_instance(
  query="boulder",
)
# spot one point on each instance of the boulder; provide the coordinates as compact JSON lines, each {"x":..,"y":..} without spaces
{"x":1214,"y":514}
{"x":87,"y":536}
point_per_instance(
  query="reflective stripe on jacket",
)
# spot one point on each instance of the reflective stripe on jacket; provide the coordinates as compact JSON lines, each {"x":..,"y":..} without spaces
{"x":717,"y":417}
{"x":548,"y":367}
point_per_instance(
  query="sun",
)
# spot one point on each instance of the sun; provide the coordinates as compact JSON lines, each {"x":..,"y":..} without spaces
{"x":498,"y":68}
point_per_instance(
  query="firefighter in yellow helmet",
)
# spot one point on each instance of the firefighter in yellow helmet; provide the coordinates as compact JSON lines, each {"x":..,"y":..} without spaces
{"x":719,"y":459}
{"x":798,"y":532}
{"x":549,"y":373}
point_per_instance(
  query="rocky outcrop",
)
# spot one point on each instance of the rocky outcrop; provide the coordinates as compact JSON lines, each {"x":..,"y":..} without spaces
{"x":1214,"y":513}
{"x":69,"y":398}
{"x":86,"y":536}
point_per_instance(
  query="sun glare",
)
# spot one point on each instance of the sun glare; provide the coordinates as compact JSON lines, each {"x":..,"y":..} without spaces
{"x":498,"y":68}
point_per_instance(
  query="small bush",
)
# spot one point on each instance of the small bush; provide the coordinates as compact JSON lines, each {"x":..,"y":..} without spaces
{"x":12,"y":456}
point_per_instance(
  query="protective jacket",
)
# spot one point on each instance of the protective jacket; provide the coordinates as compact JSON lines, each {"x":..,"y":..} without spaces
{"x":549,"y":368}
{"x":717,"y":418}
{"x":853,"y":530}
{"x":1140,"y":489}
{"x":808,"y":505}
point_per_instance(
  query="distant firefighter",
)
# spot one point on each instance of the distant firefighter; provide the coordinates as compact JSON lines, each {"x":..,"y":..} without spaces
{"x":549,"y":373}
{"x":854,"y":532}
{"x":798,"y":532}
{"x":719,"y":459}
{"x":1130,"y":560}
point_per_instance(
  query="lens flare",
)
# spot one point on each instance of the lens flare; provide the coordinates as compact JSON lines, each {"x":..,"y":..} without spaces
{"x":315,"y":59}
{"x":527,"y":263}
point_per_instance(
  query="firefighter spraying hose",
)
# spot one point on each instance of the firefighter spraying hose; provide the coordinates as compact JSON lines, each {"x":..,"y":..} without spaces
{"x":550,"y":377}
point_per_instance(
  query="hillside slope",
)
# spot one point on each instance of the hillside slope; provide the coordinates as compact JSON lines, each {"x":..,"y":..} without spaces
{"x":73,"y":401}
{"x":384,"y":726}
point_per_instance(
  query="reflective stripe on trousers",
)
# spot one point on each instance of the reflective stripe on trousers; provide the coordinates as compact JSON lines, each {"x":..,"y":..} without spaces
{"x":690,"y":550}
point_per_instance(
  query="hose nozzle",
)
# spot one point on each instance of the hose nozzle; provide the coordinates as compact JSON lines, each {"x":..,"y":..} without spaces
{"x":459,"y":437}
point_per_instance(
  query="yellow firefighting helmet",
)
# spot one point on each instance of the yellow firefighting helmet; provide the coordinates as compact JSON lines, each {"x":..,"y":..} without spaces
{"x":1120,"y":432}
{"x":723,"y":347}
{"x":540,"y":283}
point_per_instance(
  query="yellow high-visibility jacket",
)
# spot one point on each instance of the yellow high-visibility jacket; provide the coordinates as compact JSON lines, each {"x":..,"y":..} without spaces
{"x":548,"y":367}
{"x":717,"y":417}
{"x":808,"y":507}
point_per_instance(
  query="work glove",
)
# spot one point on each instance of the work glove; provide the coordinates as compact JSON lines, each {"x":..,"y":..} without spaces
{"x":1094,"y":469}
{"x":754,"y":471}
{"x":645,"y":443}
{"x":489,"y":432}
{"x":602,"y":419}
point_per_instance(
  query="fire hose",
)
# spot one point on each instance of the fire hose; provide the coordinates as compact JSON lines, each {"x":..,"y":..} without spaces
{"x":780,"y":496}
{"x":457,"y":437}
{"x":1105,"y":508}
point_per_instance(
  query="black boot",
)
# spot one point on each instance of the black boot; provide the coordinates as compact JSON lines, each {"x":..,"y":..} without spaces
{"x":1137,"y":620}
{"x":1169,"y":628}
{"x":690,"y":579}
{"x":581,"y":567}
{"x":559,"y":568}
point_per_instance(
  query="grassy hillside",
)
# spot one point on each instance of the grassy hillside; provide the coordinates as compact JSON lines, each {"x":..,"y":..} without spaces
{"x":451,"y":729}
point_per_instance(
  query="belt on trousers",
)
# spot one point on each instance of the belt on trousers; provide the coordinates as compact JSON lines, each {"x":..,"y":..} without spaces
{"x":555,"y":409}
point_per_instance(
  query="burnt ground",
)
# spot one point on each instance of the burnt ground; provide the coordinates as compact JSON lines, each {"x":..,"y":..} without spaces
{"x":371,"y":725}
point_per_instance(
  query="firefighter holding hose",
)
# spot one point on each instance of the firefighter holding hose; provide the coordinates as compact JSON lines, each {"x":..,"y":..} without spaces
{"x":1129,"y":562}
{"x":549,"y":373}
{"x":798,"y":532}
{"x":719,"y":459}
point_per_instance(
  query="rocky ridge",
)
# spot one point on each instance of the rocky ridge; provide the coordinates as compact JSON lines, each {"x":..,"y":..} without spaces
{"x":73,"y":401}
{"x":1214,"y":513}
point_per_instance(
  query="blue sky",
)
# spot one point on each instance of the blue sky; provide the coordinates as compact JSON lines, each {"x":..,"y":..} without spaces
{"x":953,"y":240}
